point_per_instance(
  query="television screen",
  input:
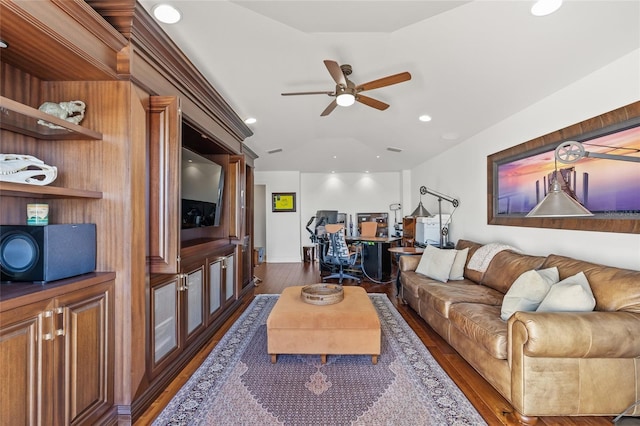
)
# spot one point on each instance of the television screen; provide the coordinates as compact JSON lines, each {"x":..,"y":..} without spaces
{"x":202,"y":186}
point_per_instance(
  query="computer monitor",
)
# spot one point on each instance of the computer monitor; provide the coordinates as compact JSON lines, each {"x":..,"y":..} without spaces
{"x":324,"y":217}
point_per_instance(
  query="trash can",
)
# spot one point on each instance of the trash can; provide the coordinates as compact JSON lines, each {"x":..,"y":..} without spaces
{"x":309,"y":253}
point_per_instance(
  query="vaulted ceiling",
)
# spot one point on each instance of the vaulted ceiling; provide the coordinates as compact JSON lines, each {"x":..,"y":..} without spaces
{"x":473,"y":64}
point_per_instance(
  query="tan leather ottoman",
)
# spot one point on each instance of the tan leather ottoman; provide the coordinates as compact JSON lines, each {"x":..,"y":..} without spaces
{"x":349,"y":327}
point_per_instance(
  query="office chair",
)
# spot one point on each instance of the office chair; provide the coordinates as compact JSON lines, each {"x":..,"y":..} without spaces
{"x":368,"y":229}
{"x":338,"y":254}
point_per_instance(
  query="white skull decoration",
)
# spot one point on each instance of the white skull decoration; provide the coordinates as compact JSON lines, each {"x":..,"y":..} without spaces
{"x":72,"y":111}
{"x":26,"y":169}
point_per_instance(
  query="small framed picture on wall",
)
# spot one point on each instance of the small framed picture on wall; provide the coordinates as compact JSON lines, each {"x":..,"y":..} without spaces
{"x":283,"y":202}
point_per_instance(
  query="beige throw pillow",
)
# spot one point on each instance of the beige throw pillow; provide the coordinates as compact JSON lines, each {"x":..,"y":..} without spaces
{"x":436,"y":263}
{"x":457,"y":269}
{"x":573,"y":294}
{"x":528,"y":291}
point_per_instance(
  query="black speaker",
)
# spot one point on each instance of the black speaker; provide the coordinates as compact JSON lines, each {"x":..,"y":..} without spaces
{"x":46,"y":253}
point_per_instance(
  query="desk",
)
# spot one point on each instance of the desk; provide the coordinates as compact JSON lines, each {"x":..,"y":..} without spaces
{"x":404,"y":251}
{"x":376,"y":258}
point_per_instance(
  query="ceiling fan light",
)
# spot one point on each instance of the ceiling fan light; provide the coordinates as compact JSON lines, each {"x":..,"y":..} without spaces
{"x":345,"y":99}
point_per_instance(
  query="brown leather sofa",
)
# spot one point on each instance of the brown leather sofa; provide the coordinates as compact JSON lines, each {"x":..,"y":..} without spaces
{"x":544,"y":363}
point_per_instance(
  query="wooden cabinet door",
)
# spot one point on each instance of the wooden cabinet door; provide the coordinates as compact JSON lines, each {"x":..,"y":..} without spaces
{"x":164,"y":184}
{"x":229,"y":277}
{"x":165,"y":335}
{"x":214,"y":288}
{"x":84,"y":326}
{"x":235,"y":184}
{"x":193,"y":294}
{"x":26,"y":373}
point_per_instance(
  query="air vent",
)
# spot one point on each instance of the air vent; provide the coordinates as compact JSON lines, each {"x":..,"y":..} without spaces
{"x":394,"y":149}
{"x":273,"y":151}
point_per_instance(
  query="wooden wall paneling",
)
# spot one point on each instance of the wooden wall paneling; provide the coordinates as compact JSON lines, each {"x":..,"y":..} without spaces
{"x":164,"y":184}
{"x":77,"y":45}
{"x":138,"y":221}
{"x":113,"y":165}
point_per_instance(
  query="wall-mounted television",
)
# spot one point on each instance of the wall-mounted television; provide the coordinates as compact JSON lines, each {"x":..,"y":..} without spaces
{"x":202,"y":187}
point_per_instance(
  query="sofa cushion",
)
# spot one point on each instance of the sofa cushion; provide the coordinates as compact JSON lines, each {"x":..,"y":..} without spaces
{"x":411,"y":281}
{"x":506,"y":267}
{"x":615,"y":289}
{"x":473,"y":247}
{"x":482,"y":324}
{"x":572,"y":294}
{"x":441,"y":296}
{"x":527,"y":291}
{"x":457,"y":269}
{"x":436,"y":263}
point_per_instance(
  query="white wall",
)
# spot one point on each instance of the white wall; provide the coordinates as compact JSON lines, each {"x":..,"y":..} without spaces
{"x":349,"y":193}
{"x":282,"y":228}
{"x":462,"y":171}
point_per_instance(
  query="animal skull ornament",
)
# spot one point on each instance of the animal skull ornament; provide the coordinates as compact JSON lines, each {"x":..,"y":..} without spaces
{"x":72,"y":111}
{"x":26,"y":169}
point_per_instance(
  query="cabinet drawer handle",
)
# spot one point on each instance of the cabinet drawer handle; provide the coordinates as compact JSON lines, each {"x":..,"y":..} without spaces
{"x":60,"y":312}
{"x":47,"y":315}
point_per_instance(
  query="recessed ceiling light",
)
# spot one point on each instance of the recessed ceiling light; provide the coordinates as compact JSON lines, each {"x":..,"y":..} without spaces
{"x":545,"y":7}
{"x":250,"y":120}
{"x":450,"y":136}
{"x":166,"y":13}
{"x":377,"y":156}
{"x":3,"y":44}
{"x":335,"y":156}
{"x":424,"y":117}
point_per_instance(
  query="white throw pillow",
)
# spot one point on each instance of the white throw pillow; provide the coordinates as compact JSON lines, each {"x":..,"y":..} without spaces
{"x":436,"y":263}
{"x":573,"y":294}
{"x":528,"y":291}
{"x":457,"y":269}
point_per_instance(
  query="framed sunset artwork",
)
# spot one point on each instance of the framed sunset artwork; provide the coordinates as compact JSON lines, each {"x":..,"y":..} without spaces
{"x":518,"y":178}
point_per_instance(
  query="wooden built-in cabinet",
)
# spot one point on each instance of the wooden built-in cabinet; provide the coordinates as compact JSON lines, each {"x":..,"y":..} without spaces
{"x":56,"y":351}
{"x":120,"y":170}
{"x":186,"y":308}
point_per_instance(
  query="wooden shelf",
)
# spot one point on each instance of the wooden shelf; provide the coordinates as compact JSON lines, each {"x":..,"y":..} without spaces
{"x":23,"y":119}
{"x":43,"y":191}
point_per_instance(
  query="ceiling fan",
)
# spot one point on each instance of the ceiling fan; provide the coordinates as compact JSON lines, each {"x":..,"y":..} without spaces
{"x":346,"y":92}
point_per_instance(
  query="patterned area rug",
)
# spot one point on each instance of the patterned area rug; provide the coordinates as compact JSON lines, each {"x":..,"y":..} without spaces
{"x":238,"y":385}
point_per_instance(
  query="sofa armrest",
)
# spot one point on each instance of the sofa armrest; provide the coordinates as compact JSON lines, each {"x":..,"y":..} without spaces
{"x":575,"y":334}
{"x":409,"y":263}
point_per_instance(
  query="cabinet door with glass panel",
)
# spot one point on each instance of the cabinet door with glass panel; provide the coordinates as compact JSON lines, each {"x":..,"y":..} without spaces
{"x":220,"y":284}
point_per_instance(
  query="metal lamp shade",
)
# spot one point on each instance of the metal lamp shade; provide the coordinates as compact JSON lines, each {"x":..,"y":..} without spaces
{"x":420,"y":211}
{"x":558,"y":203}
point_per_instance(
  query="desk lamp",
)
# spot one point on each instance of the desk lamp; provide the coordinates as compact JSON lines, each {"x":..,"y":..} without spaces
{"x":453,"y":201}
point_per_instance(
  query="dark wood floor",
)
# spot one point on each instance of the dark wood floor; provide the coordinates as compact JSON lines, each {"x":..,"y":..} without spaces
{"x":277,"y":276}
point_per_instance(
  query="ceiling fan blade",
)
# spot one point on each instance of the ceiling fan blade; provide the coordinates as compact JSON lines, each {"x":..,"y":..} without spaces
{"x":374,"y":103}
{"x":330,"y":108}
{"x":384,"y":81}
{"x":307,"y":93}
{"x":336,"y":72}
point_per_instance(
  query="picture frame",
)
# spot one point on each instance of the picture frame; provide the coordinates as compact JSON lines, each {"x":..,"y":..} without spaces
{"x":518,"y":177}
{"x":283,"y":202}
